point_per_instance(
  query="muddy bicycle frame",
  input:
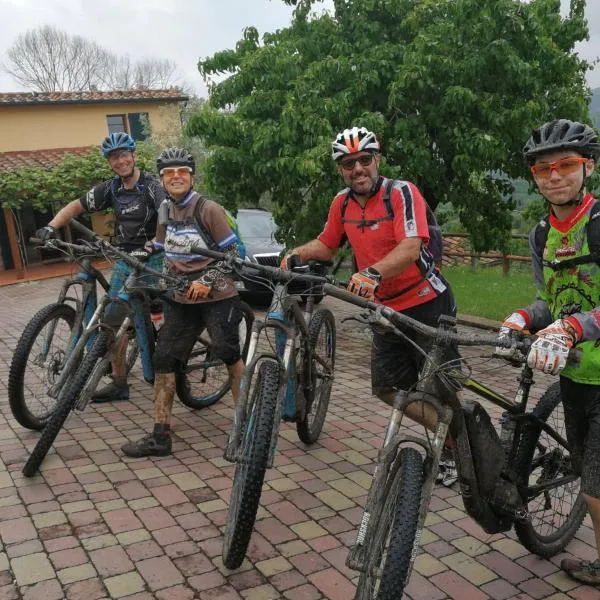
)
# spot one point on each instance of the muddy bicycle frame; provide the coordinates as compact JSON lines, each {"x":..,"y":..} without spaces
{"x":290,"y":322}
{"x":451,"y":420}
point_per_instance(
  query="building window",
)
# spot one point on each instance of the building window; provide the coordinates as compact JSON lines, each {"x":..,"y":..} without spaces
{"x":139,"y":125}
{"x":116,"y":123}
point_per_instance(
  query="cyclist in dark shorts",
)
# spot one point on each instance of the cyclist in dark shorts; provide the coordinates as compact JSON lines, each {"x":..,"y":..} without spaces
{"x":134,"y":197}
{"x":211,"y":300}
{"x":395,"y":266}
{"x":562,"y":155}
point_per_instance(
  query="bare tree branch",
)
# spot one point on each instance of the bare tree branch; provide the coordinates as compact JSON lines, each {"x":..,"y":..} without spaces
{"x":48,"y":59}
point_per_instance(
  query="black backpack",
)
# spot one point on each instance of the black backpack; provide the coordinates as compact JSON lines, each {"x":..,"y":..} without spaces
{"x":593,"y":239}
{"x":435,"y":245}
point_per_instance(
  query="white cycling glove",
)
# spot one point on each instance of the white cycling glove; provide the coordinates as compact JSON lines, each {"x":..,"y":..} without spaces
{"x":550,"y":351}
{"x":511,"y":325}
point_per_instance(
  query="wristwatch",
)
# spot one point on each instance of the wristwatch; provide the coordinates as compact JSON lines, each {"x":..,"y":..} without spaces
{"x":373,"y":273}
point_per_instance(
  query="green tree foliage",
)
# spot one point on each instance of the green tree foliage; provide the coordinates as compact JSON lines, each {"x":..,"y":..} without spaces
{"x":452,"y":87}
{"x":71,"y":178}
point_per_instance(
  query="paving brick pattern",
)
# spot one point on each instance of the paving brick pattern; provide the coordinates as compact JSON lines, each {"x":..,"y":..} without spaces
{"x":95,"y":525}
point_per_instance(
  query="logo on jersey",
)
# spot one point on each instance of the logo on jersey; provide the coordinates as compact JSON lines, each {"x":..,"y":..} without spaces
{"x":89,"y":199}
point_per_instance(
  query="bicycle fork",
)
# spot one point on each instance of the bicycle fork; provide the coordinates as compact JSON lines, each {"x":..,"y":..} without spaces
{"x":359,"y":553}
{"x":75,"y":355}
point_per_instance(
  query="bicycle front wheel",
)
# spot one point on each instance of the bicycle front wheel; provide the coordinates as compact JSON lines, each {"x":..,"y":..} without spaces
{"x":555,"y":514}
{"x":392,"y":545}
{"x":66,"y":403}
{"x":205,"y":378}
{"x":321,"y":334}
{"x":38,"y":360}
{"x":252,"y":463}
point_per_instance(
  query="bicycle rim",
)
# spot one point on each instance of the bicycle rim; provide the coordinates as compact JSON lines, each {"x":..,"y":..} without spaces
{"x":556,"y":514}
{"x":37,"y":363}
{"x":322,"y":338}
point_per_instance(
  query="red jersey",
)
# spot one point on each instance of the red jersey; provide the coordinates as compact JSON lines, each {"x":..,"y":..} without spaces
{"x":373,"y":235}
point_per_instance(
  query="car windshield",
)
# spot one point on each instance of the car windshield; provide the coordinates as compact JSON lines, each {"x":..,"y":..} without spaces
{"x":256,"y":224}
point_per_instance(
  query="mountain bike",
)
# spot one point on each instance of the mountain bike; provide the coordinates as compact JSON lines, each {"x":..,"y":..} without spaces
{"x":522,"y":478}
{"x":49,"y":343}
{"x":133,"y":301}
{"x":49,"y":339}
{"x":288,"y":376}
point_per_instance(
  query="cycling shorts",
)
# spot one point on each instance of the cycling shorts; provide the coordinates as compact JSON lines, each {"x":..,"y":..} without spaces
{"x":395,"y":363}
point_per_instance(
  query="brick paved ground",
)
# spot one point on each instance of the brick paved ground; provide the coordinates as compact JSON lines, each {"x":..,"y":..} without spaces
{"x":94,"y":525}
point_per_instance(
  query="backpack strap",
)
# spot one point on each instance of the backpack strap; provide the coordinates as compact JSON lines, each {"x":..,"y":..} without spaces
{"x":345,"y":203}
{"x":362,"y":223}
{"x":206,"y":236}
{"x":387,"y":198}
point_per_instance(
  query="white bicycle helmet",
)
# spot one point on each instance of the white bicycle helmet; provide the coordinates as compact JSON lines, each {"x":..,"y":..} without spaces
{"x":350,"y":141}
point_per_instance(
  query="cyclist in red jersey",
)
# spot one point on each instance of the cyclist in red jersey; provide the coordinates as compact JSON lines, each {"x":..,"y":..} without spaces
{"x":394,"y":264}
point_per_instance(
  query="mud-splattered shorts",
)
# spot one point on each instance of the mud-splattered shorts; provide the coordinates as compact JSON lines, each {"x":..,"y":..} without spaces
{"x":185,"y":322}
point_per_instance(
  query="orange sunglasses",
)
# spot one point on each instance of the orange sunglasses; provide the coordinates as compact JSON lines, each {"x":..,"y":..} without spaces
{"x":564,"y":166}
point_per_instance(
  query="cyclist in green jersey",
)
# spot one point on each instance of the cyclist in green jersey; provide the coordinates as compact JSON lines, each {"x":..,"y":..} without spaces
{"x":566,"y":313}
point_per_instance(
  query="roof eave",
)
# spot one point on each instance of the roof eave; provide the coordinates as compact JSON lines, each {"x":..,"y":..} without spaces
{"x":96,"y":101}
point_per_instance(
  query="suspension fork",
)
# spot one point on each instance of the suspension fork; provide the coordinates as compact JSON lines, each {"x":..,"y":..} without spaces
{"x":75,"y":355}
{"x":358,"y":554}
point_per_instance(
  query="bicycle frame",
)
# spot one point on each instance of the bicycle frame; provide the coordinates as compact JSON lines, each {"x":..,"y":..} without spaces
{"x":286,"y":317}
{"x":451,"y":421}
{"x":84,"y":307}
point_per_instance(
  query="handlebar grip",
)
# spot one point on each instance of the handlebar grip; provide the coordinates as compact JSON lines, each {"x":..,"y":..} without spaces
{"x":81,"y":228}
{"x":334,"y":290}
{"x":36,"y":240}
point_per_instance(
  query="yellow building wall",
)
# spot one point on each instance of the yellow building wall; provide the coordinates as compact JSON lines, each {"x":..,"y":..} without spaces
{"x":71,"y":125}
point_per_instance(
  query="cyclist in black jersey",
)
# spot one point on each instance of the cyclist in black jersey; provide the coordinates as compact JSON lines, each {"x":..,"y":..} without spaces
{"x":134,"y":196}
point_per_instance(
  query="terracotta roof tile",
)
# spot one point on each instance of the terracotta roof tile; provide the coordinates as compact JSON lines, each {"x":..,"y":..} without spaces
{"x":89,"y":97}
{"x":11,"y":161}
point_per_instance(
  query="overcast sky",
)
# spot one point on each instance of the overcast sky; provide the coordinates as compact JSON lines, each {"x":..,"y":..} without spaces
{"x":181,"y":30}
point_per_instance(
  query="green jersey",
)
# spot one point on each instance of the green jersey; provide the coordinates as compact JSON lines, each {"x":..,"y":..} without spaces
{"x":572,"y":290}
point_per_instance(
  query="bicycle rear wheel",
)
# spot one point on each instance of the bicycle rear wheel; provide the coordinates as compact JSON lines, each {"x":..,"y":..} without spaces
{"x":392,"y":545}
{"x":205,"y":378}
{"x":252,"y":464}
{"x":66,"y":403}
{"x":556,"y":514}
{"x":321,"y":334}
{"x":37,"y":362}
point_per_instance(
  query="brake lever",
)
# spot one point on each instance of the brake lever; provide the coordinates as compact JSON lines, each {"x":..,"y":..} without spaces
{"x":362,"y":318}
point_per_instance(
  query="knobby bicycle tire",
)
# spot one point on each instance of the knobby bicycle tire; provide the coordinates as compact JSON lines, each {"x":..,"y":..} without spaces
{"x":188,"y":390}
{"x":553,"y":463}
{"x":16,"y":376}
{"x":250,"y":469}
{"x":66,"y":404}
{"x":394,"y":542}
{"x":311,"y":425}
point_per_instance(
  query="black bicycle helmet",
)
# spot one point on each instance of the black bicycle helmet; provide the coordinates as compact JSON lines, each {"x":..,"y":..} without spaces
{"x":175,"y":157}
{"x":562,"y":134}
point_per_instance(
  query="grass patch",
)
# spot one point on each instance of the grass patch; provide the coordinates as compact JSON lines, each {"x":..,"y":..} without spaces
{"x":486,"y":292}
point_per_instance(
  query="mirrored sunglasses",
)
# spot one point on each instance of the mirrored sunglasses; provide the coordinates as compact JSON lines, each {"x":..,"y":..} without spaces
{"x":173,"y":171}
{"x":564,"y":166}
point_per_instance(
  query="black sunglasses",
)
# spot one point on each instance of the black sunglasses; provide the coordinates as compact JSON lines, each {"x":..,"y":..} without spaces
{"x":348,"y":164}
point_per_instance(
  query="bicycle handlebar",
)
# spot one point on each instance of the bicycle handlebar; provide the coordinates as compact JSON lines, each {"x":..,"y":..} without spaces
{"x":275,"y":273}
{"x":136,"y":264}
{"x":382,"y":314}
{"x":61,"y":244}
